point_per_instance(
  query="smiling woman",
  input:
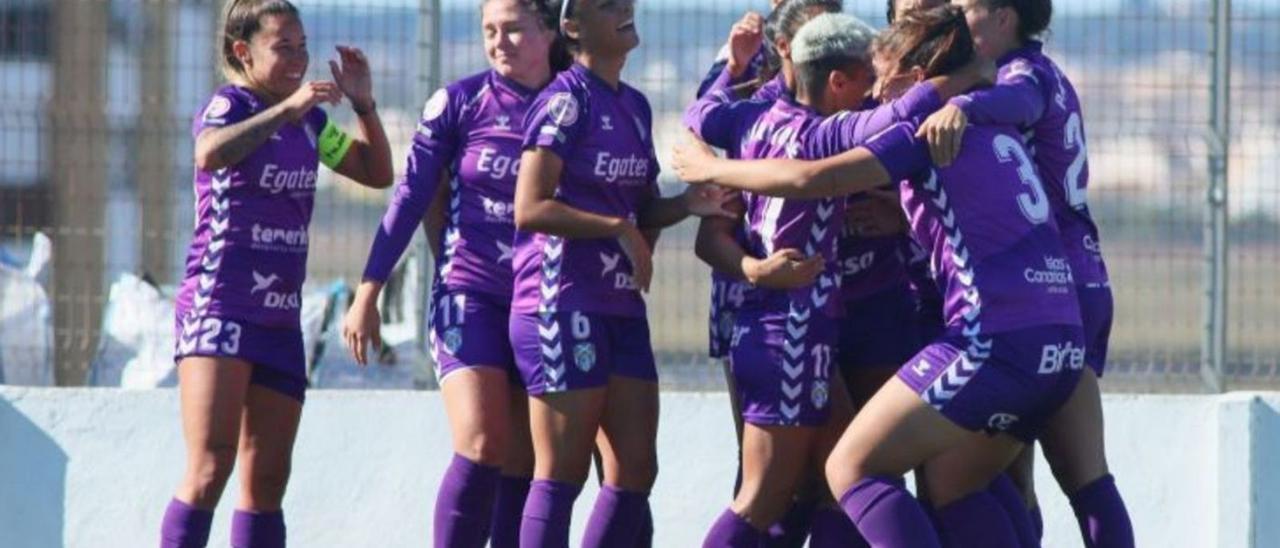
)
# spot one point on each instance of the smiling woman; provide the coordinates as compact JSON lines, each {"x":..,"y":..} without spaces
{"x":587,"y":196}
{"x":469,"y":135}
{"x":241,"y":367}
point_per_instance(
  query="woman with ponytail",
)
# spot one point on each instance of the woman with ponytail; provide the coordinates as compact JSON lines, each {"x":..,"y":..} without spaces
{"x":466,"y":154}
{"x":1033,"y":94}
{"x":241,"y":369}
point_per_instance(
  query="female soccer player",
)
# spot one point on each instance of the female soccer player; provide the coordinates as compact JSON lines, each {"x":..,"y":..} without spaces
{"x":470,"y":135}
{"x":1033,"y":94}
{"x":883,"y":304}
{"x":1012,"y":352}
{"x":586,"y":194}
{"x":239,"y":341}
{"x":783,"y":340}
{"x":785,"y":268}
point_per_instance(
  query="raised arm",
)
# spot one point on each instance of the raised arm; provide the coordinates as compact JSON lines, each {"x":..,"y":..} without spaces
{"x":368,"y":162}
{"x":227,"y":134}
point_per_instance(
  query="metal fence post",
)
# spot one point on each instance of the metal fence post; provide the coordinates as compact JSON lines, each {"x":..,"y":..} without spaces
{"x":428,"y":80}
{"x":1213,"y":349}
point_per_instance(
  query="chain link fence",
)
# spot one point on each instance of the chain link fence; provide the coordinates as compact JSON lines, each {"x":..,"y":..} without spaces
{"x":97,"y":97}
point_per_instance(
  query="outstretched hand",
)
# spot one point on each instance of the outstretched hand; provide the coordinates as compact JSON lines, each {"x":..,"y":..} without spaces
{"x":944,"y":131}
{"x":745,"y":39}
{"x":690,"y":160}
{"x":353,"y":77}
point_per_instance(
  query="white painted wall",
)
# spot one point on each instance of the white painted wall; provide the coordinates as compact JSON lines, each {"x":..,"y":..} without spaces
{"x":95,"y":467}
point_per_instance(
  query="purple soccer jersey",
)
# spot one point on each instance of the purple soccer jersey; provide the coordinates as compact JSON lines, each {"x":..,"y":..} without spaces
{"x":470,"y":132}
{"x":728,"y":292}
{"x":1033,"y":94}
{"x":759,"y":129}
{"x":605,"y":140}
{"x":248,"y":256}
{"x":783,"y":340}
{"x":987,"y":224}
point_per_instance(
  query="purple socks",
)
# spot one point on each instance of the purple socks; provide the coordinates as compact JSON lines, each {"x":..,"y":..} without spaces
{"x":1104,"y":521}
{"x":832,"y":529}
{"x":976,"y":521}
{"x":464,"y":504}
{"x":887,"y":515}
{"x":257,"y":530}
{"x":731,"y":531}
{"x":1015,"y":507}
{"x":547,"y":513}
{"x":184,"y":526}
{"x":618,"y":518}
{"x":507,"y":508}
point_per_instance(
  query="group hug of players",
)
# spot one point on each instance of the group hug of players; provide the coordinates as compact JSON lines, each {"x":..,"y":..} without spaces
{"x":906,"y":275}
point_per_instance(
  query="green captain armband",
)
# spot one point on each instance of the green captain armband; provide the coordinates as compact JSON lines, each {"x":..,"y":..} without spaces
{"x":333,"y":145}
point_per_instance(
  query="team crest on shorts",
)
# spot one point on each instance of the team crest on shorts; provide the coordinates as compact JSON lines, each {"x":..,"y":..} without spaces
{"x":453,"y":340}
{"x":819,"y":394}
{"x":584,"y":356}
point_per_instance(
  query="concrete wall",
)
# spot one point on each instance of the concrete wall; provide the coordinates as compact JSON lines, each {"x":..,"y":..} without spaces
{"x":95,"y":467}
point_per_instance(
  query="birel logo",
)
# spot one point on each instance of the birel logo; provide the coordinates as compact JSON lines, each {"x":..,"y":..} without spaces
{"x":277,"y":180}
{"x":611,"y":168}
{"x":267,"y":237}
{"x":497,"y":165}
{"x":1054,"y":358}
{"x":1056,"y":272}
{"x":497,"y":211}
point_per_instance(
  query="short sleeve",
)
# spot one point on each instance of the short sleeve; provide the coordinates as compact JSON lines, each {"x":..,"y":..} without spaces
{"x":226,"y":107}
{"x":556,"y":120}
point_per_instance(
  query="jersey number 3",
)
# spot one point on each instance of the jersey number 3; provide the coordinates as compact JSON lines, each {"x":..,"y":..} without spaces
{"x":1035,"y":203}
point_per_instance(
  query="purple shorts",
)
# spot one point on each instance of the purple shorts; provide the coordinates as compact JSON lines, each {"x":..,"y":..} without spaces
{"x":469,"y":329}
{"x":782,"y":367}
{"x":276,"y":354}
{"x":572,"y":350}
{"x":1096,"y":312}
{"x":879,"y":330}
{"x":1009,"y":382}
